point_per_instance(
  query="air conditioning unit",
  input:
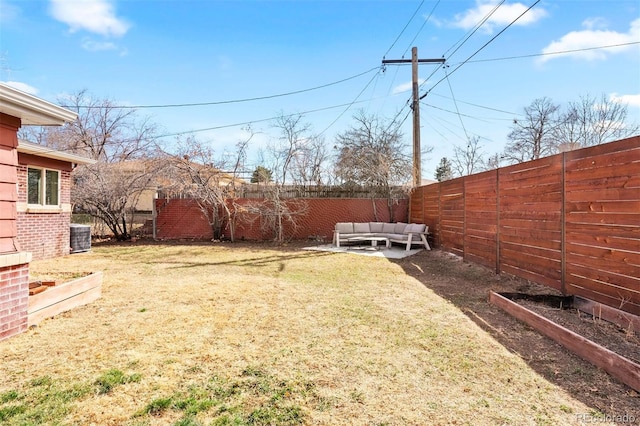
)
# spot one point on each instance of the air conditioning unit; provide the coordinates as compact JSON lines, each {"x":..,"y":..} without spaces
{"x":79,"y":238}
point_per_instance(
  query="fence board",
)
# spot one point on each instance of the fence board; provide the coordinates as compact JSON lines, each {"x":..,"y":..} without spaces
{"x":619,"y":219}
{"x":623,"y":206}
{"x":593,"y":158}
{"x":618,"y":288}
{"x":522,"y":272}
{"x":628,"y":263}
{"x":605,"y":240}
{"x":589,"y":289}
{"x":431,"y":211}
{"x":602,"y":279}
{"x":480,"y":229}
{"x":552,"y":243}
{"x":602,"y":194}
{"x":416,"y":201}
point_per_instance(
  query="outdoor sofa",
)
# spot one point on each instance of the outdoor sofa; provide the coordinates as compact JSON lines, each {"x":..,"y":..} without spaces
{"x":402,"y":233}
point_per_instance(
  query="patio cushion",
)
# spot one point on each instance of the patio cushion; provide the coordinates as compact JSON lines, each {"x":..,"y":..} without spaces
{"x":414,"y":227}
{"x":376,"y":226}
{"x":344,"y":227}
{"x":399,"y":228}
{"x":388,"y":227}
{"x":398,"y":237}
{"x":361,"y":227}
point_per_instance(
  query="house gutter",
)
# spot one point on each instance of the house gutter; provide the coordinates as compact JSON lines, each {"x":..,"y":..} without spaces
{"x":47,"y":152}
{"x":32,"y":110}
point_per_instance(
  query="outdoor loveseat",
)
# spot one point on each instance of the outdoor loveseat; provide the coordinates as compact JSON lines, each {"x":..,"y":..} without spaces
{"x":402,"y":233}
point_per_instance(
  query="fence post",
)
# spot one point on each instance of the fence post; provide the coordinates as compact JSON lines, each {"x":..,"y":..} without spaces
{"x":498,"y":266}
{"x":464,"y":218}
{"x":563,"y":227}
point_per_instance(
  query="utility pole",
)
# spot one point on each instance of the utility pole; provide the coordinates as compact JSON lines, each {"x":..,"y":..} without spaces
{"x":415,"y":106}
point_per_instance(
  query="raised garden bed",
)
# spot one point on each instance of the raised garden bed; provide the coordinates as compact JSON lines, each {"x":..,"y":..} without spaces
{"x":51,"y":296}
{"x":527,"y":308}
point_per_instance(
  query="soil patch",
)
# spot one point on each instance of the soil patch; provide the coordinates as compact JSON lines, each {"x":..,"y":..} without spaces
{"x":467,"y":286}
{"x":625,"y":342}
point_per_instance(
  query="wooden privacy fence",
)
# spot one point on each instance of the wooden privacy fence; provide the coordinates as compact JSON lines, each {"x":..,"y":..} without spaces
{"x":570,"y":221}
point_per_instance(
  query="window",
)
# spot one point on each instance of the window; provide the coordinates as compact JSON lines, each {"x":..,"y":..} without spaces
{"x":43,"y":186}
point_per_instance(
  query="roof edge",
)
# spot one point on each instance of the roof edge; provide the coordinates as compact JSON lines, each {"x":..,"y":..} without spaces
{"x":32,"y":110}
{"x":26,"y":147}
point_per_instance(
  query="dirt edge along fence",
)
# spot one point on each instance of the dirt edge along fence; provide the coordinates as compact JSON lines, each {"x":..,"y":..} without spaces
{"x":570,"y":221}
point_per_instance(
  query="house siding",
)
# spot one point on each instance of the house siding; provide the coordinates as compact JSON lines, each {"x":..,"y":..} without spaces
{"x":8,"y":178}
{"x":14,"y":265}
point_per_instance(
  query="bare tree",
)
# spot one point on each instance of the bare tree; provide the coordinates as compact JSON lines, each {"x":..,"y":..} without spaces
{"x":470,"y":159}
{"x":533,"y":136}
{"x":108,"y":190}
{"x":296,"y":158}
{"x":592,"y":121}
{"x":493,"y":161}
{"x":310,"y":160}
{"x":372,"y":154}
{"x":104,"y":131}
{"x":195,"y":173}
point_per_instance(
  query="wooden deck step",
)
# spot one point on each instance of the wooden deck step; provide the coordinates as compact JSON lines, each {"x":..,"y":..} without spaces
{"x":36,"y":290}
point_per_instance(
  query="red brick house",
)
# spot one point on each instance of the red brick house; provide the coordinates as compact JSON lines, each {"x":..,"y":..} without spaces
{"x":44,"y":199}
{"x":16,"y":110}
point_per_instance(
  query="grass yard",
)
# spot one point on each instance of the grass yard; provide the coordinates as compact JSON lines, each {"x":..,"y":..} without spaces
{"x":203,"y":334}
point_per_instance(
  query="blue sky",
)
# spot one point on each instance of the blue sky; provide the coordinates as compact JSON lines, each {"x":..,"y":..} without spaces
{"x":150,"y":53}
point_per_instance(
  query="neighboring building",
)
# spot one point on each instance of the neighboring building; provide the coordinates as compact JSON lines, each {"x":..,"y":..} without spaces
{"x":44,"y":199}
{"x":16,"y":110}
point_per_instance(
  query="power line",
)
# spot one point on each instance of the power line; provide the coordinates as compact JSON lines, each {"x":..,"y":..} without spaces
{"x":349,"y":105}
{"x":477,"y":106}
{"x":562,"y":52}
{"x":455,"y":103}
{"x":484,"y":120}
{"x":260,"y":120}
{"x":421,"y":28}
{"x":471,"y":32}
{"x":403,"y":30}
{"x":232,"y":101}
{"x":465,"y":38}
{"x":482,"y":47}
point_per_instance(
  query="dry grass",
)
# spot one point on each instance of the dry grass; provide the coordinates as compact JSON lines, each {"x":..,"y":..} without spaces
{"x":240,"y":334}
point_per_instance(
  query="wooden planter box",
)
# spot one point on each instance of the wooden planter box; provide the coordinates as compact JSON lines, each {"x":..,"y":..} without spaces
{"x":623,"y":369}
{"x":64,"y":297}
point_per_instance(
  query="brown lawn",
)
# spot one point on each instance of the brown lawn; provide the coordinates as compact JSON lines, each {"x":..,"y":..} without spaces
{"x":215,"y":334}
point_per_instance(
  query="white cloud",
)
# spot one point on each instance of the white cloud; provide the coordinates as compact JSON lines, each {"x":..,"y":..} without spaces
{"x":24,"y":87}
{"x":503,"y":16}
{"x":595,"y":24}
{"x":405,"y":87}
{"x":631,"y":100}
{"x":590,"y":38}
{"x":95,"y":46}
{"x":96,"y":16}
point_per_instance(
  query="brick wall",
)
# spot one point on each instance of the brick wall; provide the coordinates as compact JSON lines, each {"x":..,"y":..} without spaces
{"x":14,"y":299}
{"x":44,"y":233}
{"x":182,"y":218}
